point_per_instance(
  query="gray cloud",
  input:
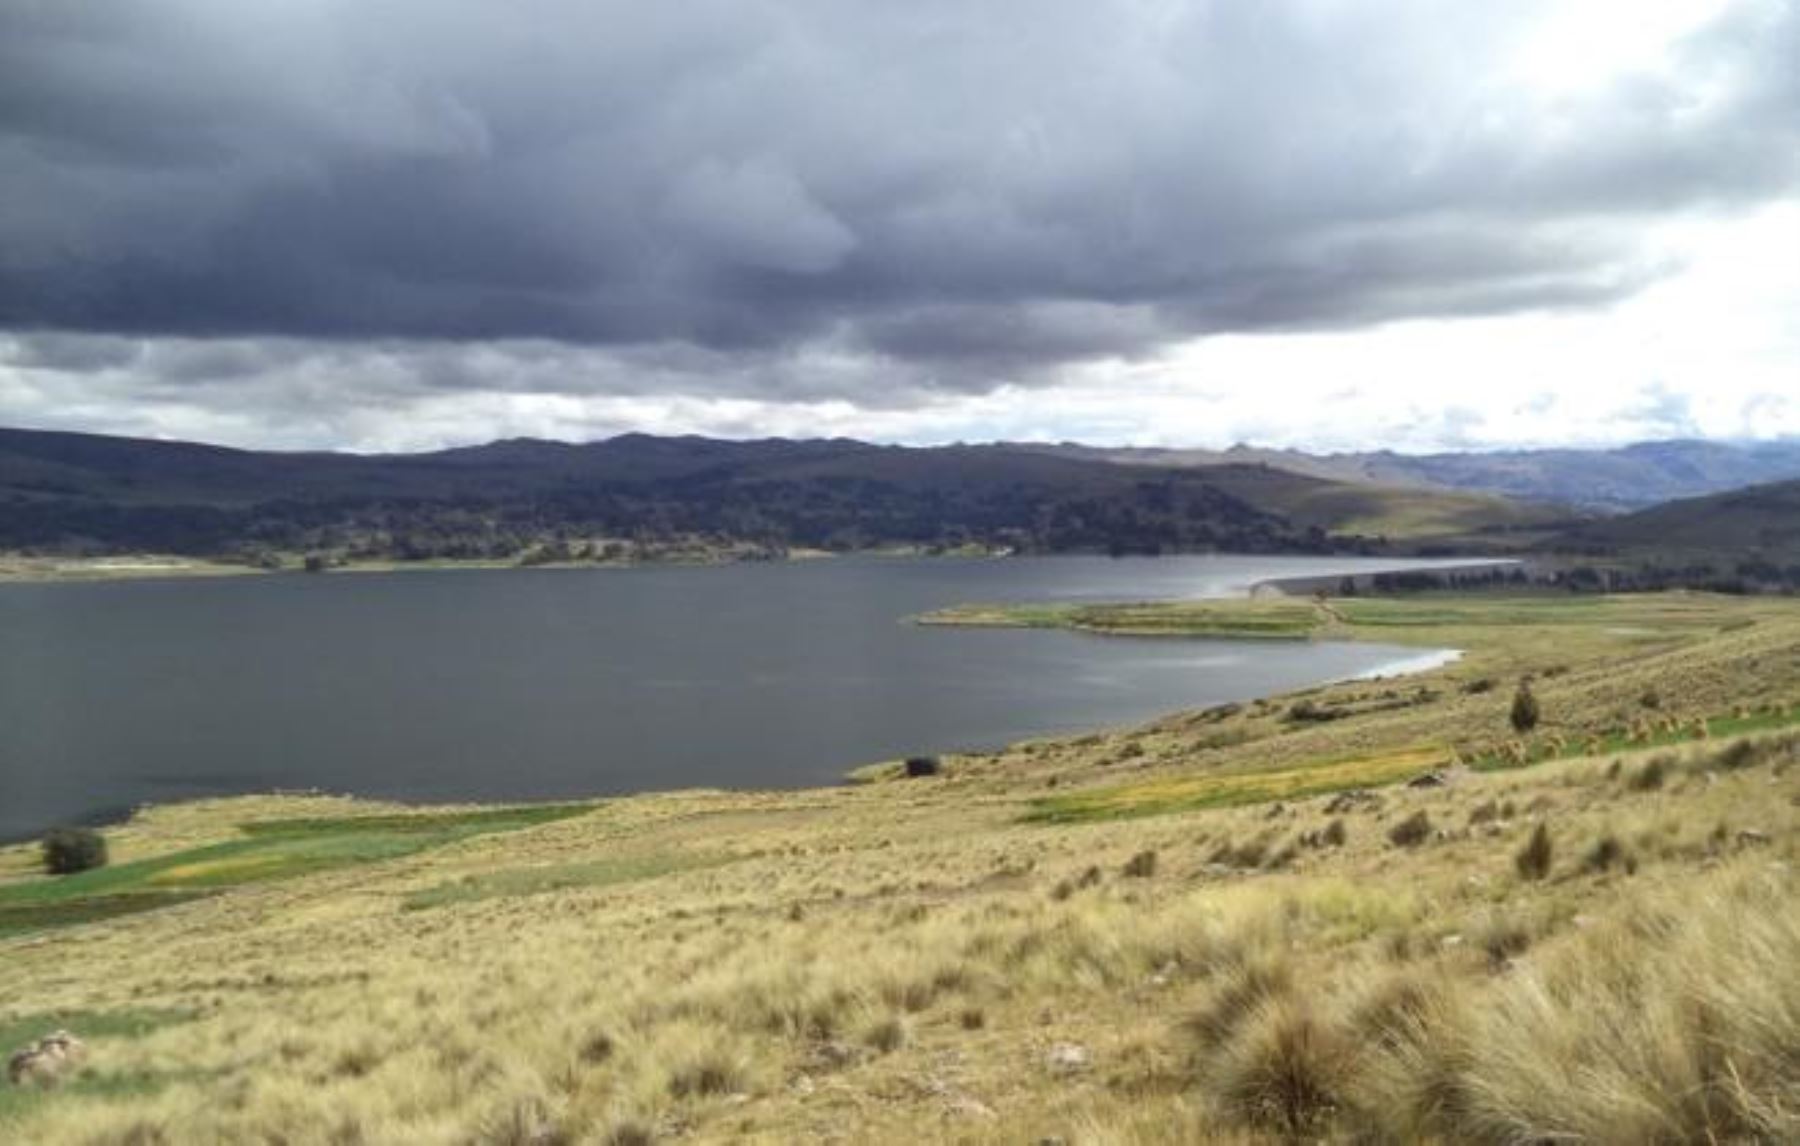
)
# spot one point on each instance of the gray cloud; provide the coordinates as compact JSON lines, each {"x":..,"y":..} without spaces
{"x":809,"y":198}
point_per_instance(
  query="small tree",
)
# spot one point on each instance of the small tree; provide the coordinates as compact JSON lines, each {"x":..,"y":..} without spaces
{"x":69,"y":850}
{"x":1524,"y":709}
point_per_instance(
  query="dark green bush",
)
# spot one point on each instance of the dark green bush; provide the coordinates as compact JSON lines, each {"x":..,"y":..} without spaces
{"x":920,"y":766}
{"x":69,"y":850}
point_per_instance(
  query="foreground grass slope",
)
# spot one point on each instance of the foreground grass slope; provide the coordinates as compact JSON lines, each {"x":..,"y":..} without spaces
{"x":1595,"y":947}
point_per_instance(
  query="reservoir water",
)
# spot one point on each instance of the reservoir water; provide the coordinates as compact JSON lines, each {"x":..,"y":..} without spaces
{"x":536,"y":684}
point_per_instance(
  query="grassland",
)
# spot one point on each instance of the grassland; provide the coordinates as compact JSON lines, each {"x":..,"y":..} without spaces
{"x":1238,"y":924}
{"x":268,"y":850}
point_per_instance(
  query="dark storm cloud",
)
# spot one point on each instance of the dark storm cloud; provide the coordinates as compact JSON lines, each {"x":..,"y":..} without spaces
{"x":714,"y":192}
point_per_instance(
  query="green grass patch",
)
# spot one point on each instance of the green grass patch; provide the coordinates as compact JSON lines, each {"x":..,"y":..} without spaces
{"x":1279,"y":620}
{"x":559,"y":877}
{"x":1171,"y":794}
{"x":18,"y":1101}
{"x":22,"y":918}
{"x":272,"y":849}
{"x":416,"y":823}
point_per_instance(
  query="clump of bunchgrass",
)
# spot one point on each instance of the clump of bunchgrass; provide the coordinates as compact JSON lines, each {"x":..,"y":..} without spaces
{"x":1535,"y":858}
{"x":1285,"y":1070}
{"x":1142,"y":865}
{"x":1412,"y":831}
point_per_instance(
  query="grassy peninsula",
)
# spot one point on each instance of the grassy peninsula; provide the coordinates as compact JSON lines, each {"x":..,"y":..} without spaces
{"x":1374,"y":911}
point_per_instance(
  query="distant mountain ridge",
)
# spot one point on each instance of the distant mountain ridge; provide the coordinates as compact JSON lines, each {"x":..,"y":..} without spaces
{"x":517,"y":497}
{"x":1604,"y":480}
{"x":1762,"y":520}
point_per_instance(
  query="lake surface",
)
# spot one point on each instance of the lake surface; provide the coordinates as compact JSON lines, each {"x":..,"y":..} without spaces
{"x":535,"y":684}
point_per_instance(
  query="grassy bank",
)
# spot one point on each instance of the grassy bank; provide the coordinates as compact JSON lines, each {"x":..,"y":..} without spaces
{"x":267,"y":850}
{"x":1241,"y":924}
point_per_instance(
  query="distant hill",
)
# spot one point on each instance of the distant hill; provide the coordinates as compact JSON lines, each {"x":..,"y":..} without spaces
{"x":1612,"y":481}
{"x":92,"y":493}
{"x":1759,"y":524}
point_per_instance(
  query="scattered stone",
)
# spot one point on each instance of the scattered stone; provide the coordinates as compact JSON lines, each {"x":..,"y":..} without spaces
{"x":1068,"y":1058}
{"x":1431,"y":779}
{"x":1276,"y":811}
{"x":834,"y":1055}
{"x":47,"y":1061}
{"x":1750,"y":837}
{"x":1350,"y":800}
{"x":963,"y":1106}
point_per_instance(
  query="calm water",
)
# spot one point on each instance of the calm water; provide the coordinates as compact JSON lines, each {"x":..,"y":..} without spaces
{"x":527,"y":684}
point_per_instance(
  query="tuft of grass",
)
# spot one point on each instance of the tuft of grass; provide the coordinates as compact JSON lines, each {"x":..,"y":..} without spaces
{"x":1535,"y":858}
{"x":1285,"y":1071}
{"x":1412,"y":831}
{"x":1142,"y":865}
{"x":1652,"y":775}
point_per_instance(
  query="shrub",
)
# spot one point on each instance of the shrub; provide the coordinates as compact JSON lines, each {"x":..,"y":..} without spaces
{"x":1141,"y":865}
{"x":69,"y":850}
{"x":1524,"y":715}
{"x":1412,"y":831}
{"x":919,"y":766}
{"x":1533,"y":860}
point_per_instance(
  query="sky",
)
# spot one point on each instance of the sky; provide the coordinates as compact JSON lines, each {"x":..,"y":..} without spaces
{"x":1324,"y":224}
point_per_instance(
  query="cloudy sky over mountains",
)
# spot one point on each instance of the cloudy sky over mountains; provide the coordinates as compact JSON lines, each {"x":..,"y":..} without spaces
{"x":1324,"y":223}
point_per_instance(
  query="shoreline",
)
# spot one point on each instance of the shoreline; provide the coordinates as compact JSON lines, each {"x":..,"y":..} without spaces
{"x":17,"y":569}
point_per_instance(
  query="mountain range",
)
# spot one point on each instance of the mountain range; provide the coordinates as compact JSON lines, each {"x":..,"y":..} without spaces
{"x":524,"y":498}
{"x":1597,"y":480}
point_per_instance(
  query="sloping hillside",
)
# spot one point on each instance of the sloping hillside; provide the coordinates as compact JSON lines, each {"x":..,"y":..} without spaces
{"x":1614,"y":480}
{"x":1762,"y":521}
{"x":93,"y":494}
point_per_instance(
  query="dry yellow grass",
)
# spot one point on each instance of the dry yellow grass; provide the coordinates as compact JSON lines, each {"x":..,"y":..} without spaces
{"x":915,"y":961}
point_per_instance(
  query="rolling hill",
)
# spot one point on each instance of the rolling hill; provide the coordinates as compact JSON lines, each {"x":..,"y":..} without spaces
{"x":88,"y":493}
{"x":1609,"y":481}
{"x":1761,"y":522}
